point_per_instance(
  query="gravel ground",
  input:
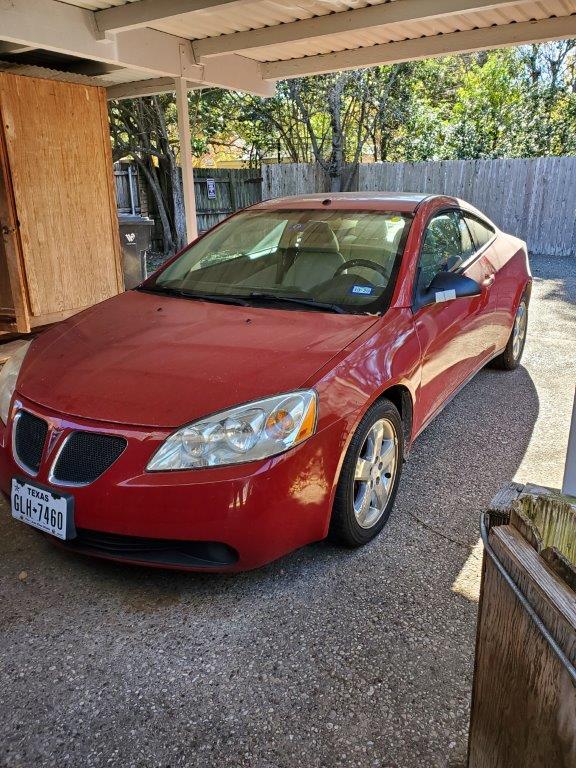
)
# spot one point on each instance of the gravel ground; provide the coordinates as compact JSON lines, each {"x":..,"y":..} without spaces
{"x":325,"y":658}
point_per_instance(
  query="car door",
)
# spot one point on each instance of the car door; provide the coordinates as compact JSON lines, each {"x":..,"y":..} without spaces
{"x":503,"y":292}
{"x":454,"y":335}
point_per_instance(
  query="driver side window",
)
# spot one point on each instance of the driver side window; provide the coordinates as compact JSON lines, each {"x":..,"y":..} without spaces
{"x":446,"y":243}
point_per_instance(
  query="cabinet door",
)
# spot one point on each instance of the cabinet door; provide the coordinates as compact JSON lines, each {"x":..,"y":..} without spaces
{"x":13,"y":305}
{"x":58,"y":147}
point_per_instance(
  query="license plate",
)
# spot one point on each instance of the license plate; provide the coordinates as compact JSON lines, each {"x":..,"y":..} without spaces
{"x":43,"y":509}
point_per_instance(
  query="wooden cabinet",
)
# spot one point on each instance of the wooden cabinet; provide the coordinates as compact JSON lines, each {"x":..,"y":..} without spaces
{"x":59,"y":244}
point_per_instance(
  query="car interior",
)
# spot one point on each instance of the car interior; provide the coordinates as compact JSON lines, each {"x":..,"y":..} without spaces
{"x":338,"y":258}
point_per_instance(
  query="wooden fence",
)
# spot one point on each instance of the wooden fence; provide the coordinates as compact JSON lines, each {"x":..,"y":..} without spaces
{"x":126,"y":186}
{"x":534,"y":199}
{"x":301,"y":179}
{"x":233,"y":188}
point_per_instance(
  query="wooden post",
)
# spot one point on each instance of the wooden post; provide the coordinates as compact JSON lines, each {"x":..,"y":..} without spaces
{"x":569,"y":483}
{"x":524,"y":693}
{"x":131,"y":191}
{"x":186,"y":158}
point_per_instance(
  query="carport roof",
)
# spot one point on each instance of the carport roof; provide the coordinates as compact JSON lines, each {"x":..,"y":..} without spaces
{"x":140,"y":46}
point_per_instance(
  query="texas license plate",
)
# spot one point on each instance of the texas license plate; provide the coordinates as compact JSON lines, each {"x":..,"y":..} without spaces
{"x":43,"y":509}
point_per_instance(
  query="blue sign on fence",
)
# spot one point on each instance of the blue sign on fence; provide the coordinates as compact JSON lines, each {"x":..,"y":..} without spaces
{"x":211,"y":187}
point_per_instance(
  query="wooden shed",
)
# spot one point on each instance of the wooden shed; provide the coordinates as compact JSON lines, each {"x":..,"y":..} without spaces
{"x":60,"y":249}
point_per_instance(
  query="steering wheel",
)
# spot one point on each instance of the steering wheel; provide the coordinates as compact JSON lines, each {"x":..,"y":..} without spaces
{"x":362,"y":263}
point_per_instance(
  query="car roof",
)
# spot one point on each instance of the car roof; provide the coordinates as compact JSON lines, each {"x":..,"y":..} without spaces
{"x":403,"y":202}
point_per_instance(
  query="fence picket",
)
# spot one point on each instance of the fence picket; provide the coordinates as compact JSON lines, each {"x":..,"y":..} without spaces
{"x":533,"y":198}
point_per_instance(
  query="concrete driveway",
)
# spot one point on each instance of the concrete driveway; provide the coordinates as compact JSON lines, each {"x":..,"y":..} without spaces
{"x":326,"y":658}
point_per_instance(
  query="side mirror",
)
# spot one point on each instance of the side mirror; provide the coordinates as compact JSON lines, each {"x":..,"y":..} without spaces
{"x":447,"y":286}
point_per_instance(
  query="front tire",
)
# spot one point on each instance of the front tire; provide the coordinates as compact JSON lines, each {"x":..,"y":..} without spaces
{"x":369,"y":477}
{"x":510,"y":358}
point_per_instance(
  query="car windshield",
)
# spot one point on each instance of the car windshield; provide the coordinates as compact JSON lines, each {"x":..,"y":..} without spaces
{"x":338,"y":260}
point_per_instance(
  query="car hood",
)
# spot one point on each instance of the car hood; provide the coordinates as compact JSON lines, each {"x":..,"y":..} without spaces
{"x":151,"y":360}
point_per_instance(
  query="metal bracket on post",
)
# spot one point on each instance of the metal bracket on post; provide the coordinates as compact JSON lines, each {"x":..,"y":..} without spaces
{"x":569,"y":482}
{"x":190,"y":68}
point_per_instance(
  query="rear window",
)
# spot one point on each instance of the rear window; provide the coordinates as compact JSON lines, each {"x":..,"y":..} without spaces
{"x":481,"y":231}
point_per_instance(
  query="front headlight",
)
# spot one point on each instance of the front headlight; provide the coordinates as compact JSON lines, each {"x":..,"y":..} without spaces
{"x":245,"y":433}
{"x":8,"y":377}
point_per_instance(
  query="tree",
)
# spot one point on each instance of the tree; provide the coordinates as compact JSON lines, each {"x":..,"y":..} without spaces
{"x":549,"y":81}
{"x":516,"y":102}
{"x":140,"y":129}
{"x":483,"y":120}
{"x":327,"y":119}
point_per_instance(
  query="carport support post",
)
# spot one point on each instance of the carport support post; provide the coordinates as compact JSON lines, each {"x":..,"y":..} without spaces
{"x":186,"y":157}
{"x":569,"y":484}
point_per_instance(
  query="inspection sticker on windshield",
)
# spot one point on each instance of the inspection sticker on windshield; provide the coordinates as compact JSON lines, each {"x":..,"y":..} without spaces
{"x":363,"y":290}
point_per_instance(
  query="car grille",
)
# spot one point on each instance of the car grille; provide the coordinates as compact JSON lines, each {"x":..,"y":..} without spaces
{"x":29,"y":438}
{"x":191,"y":554}
{"x":85,"y":456}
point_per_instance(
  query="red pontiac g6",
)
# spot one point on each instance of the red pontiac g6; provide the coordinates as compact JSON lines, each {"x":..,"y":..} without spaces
{"x":263,"y":388}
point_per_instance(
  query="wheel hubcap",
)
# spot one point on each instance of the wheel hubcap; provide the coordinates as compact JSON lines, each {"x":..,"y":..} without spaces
{"x":375,"y":473}
{"x":519,"y":330}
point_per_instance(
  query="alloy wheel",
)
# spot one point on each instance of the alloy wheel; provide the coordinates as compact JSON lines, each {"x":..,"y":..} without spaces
{"x":519,"y":330}
{"x":375,"y":473}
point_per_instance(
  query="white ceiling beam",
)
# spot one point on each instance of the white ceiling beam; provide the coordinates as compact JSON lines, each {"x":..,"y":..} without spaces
{"x":68,"y":29}
{"x":343,"y":22}
{"x":238,"y":72}
{"x":56,"y":26}
{"x":14,"y":48}
{"x":151,"y":87}
{"x":235,"y":70}
{"x":425,"y":47}
{"x":146,"y":12}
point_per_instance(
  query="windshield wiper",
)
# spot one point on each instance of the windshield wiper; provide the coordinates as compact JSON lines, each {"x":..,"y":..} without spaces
{"x":158,"y":289}
{"x":254,"y":296}
{"x":215,"y":297}
{"x":312,"y":303}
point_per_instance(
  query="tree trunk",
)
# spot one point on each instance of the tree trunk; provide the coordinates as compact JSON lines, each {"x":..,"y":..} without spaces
{"x":337,"y":152}
{"x":316,"y":149}
{"x":176,"y":183}
{"x":178,"y":201}
{"x":161,"y":205}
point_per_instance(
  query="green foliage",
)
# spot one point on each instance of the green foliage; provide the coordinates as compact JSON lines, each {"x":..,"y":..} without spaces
{"x":506,"y":103}
{"x":516,"y":102}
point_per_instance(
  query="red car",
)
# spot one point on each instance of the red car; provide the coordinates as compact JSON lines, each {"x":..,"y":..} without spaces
{"x":262,"y":389}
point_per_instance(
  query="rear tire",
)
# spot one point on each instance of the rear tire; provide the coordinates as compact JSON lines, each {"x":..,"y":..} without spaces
{"x":510,"y":358}
{"x":369,"y":477}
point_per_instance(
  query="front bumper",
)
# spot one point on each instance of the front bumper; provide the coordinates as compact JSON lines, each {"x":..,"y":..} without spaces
{"x":226,"y":519}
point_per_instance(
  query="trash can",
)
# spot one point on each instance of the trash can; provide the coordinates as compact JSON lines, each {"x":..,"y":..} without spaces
{"x":136,"y":239}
